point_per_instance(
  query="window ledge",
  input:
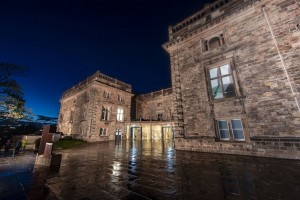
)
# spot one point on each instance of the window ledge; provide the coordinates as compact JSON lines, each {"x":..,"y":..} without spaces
{"x":228,"y":98}
{"x":230,"y":141}
{"x":223,"y":99}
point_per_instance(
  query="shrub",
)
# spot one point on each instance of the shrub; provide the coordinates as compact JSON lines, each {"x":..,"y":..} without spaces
{"x":67,"y":143}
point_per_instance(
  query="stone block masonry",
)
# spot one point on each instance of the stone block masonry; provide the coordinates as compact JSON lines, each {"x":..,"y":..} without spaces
{"x":235,"y":78}
{"x":96,"y":109}
{"x":235,"y":68}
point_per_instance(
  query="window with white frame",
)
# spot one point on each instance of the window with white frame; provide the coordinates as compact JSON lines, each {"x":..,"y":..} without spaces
{"x":231,"y":129}
{"x":103,"y":132}
{"x":104,"y":113}
{"x":120,"y":114}
{"x":118,"y":131}
{"x":221,"y":82}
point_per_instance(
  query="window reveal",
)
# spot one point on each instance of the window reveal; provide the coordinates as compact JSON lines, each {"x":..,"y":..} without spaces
{"x":120,"y":98}
{"x":221,"y":82}
{"x":104,"y":114}
{"x":103,"y":132}
{"x":106,"y":94}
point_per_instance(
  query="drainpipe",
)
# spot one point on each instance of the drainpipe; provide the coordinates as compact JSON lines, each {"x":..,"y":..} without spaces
{"x":281,"y":59}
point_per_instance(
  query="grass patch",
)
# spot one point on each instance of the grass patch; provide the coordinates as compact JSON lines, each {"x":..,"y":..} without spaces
{"x":67,"y":143}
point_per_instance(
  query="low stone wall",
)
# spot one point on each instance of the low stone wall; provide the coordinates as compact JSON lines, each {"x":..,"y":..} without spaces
{"x":283,"y":147}
{"x":29,"y":138}
{"x":265,"y":147}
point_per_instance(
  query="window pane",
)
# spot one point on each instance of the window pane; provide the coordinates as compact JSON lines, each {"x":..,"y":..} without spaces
{"x":228,"y":86}
{"x":225,"y":69}
{"x":216,"y":89}
{"x":238,"y":134}
{"x":237,"y":127}
{"x":213,"y":73}
{"x":236,"y":124}
{"x":224,"y":134}
{"x":223,"y":125}
{"x":120,"y":112}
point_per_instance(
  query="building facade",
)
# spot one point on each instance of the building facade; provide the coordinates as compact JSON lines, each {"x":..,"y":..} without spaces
{"x":102,"y":108}
{"x":96,"y":109}
{"x":235,"y":68}
{"x":153,"y":116}
{"x":157,"y":106}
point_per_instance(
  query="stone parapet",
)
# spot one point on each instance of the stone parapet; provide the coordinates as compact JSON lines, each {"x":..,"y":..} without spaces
{"x":211,"y":14}
{"x":156,"y":94}
{"x":97,"y":77}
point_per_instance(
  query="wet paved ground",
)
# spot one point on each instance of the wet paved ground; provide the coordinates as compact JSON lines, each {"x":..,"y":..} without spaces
{"x":154,"y":170}
{"x":148,"y":170}
{"x":20,"y":179}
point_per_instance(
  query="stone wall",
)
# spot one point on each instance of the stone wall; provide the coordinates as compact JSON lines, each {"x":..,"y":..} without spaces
{"x":82,"y":108}
{"x":260,"y":40}
{"x":157,"y":105}
{"x":30,"y":140}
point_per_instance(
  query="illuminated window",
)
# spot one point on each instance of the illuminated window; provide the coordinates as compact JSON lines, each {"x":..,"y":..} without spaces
{"x":221,"y":82}
{"x":120,"y":113}
{"x":118,"y":131}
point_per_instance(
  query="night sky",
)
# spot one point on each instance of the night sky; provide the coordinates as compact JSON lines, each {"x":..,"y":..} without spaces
{"x":62,"y":42}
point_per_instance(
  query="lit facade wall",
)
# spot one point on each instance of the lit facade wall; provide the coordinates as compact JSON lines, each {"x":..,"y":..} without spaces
{"x":95,"y":109}
{"x":235,"y":69}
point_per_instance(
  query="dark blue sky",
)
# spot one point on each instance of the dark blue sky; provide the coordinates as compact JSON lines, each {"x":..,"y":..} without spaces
{"x":62,"y":42}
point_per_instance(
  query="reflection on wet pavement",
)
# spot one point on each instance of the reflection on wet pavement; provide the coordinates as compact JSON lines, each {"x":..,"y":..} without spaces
{"x":20,"y":179}
{"x":154,"y":170}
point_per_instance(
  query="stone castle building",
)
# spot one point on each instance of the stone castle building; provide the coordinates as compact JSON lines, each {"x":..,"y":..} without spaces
{"x":102,"y":108}
{"x":235,"y":69}
{"x":153,"y":116}
{"x":155,"y":106}
{"x":96,"y":109}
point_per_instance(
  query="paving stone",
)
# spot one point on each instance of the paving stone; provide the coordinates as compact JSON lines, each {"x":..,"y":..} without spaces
{"x":126,"y":172}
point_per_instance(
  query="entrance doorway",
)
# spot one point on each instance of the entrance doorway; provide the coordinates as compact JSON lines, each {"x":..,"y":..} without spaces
{"x":118,"y":134}
{"x":136,"y":133}
{"x":167,"y":133}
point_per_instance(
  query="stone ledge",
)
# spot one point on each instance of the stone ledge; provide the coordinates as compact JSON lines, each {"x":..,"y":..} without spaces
{"x":275,"y":139}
